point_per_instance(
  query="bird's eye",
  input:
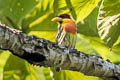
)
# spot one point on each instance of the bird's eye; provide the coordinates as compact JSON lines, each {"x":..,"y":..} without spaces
{"x":60,"y":22}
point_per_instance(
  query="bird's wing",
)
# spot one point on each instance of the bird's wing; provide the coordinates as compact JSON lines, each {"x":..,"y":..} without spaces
{"x":66,"y":39}
{"x":58,"y":34}
{"x":73,"y":39}
{"x":60,"y":37}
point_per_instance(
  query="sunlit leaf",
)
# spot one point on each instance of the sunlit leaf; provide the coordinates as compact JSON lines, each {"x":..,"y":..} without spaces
{"x":102,"y":50}
{"x":81,"y":8}
{"x":78,"y":8}
{"x":72,"y":75}
{"x":40,"y":18}
{"x":18,"y":69}
{"x":109,"y":21}
{"x":35,"y":73}
{"x":88,"y":25}
{"x":3,"y":59}
{"x":85,"y":46}
{"x":15,"y":69}
{"x":60,"y":7}
{"x":49,"y":35}
{"x":47,"y":73}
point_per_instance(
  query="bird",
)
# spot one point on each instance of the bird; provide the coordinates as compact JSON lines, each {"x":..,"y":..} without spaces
{"x":66,"y":35}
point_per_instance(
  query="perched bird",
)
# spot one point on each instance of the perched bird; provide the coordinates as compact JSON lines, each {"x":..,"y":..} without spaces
{"x":67,"y":32}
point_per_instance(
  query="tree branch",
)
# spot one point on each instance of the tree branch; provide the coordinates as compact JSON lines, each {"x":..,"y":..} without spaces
{"x":42,"y":52}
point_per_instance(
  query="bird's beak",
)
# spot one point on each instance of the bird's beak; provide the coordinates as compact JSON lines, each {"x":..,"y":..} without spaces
{"x":56,"y":19}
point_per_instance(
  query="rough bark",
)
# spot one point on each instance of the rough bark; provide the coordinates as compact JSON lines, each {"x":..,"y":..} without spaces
{"x":42,"y":52}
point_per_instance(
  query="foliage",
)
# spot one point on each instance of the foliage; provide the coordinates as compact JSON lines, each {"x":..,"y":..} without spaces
{"x":98,"y":24}
{"x":108,"y":22}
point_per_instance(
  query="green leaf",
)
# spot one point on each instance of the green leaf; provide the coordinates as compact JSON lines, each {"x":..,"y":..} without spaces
{"x":95,"y":46}
{"x":18,"y":69}
{"x":88,"y":25}
{"x":35,"y":73}
{"x":81,"y":8}
{"x":78,"y":8}
{"x":15,"y":69}
{"x":102,"y":50}
{"x":48,"y":74}
{"x":40,"y":18}
{"x":4,"y":55}
{"x":72,"y":75}
{"x":85,"y":46}
{"x":60,"y":7}
{"x":15,"y":10}
{"x":109,"y":21}
{"x":49,"y":35}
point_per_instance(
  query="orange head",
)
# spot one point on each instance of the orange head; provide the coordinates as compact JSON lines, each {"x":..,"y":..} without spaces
{"x":66,"y":22}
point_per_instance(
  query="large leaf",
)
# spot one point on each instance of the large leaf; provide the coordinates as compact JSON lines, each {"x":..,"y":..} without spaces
{"x":3,"y":59}
{"x":15,"y":10}
{"x":40,"y":18}
{"x":49,"y":35}
{"x":71,"y":75}
{"x":97,"y":45}
{"x":15,"y":69}
{"x":88,"y":25}
{"x":48,"y":74}
{"x":18,"y":69}
{"x":78,"y":8}
{"x":109,"y":21}
{"x":85,"y":46}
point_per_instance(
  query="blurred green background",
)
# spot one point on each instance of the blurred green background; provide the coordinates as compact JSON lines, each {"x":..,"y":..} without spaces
{"x":98,"y":33}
